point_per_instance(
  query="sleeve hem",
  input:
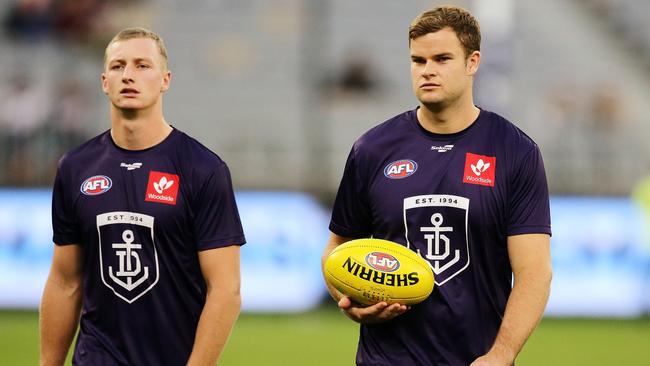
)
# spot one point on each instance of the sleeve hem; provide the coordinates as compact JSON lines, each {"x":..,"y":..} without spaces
{"x":532,"y":229}
{"x":345,"y":232}
{"x":221,"y":243}
{"x":65,"y":240}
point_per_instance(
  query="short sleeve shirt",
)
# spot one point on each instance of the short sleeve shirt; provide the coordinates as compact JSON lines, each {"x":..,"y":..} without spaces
{"x":454,"y":199}
{"x":141,"y":218}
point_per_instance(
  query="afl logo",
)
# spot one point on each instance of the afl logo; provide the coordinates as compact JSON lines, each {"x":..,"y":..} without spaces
{"x":400,"y":169}
{"x":95,"y":185}
{"x":382,"y":262}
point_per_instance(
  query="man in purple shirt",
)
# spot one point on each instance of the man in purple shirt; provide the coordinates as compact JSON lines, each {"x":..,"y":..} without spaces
{"x":465,"y":189}
{"x":147,"y":232}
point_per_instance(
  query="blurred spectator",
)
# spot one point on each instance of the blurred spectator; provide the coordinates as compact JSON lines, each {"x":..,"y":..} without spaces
{"x":24,"y":108}
{"x":607,"y":132}
{"x":29,"y":19}
{"x":75,"y":19}
{"x":357,"y":76}
{"x":606,"y":108}
{"x":72,"y":115}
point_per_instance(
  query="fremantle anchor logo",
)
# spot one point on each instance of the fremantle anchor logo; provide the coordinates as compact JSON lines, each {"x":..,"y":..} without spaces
{"x":436,"y":228}
{"x":434,"y":253}
{"x":128,"y":268}
{"x":128,"y":257}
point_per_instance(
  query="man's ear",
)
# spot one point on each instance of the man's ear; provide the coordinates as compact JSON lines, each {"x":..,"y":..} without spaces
{"x":473,"y":62}
{"x":104,"y":83}
{"x":165,"y":81}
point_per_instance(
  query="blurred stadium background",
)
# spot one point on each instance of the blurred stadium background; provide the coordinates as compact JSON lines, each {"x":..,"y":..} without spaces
{"x":280,"y":90}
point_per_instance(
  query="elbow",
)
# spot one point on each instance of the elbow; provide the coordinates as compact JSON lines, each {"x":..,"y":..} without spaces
{"x":236,"y":302}
{"x":233,"y":298}
{"x":229,"y":298}
{"x":69,"y":287}
{"x":548,"y":274}
{"x":544,"y":273}
{"x":539,"y":276}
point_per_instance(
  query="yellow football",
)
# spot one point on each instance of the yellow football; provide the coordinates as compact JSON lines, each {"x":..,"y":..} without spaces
{"x":374,"y":270}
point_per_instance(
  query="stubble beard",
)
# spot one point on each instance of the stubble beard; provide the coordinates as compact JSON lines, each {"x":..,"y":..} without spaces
{"x":442,"y":102}
{"x":436,"y":105}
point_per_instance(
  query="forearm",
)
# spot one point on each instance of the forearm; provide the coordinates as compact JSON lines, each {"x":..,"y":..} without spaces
{"x":332,"y":243}
{"x":215,"y":324}
{"x":523,"y":312}
{"x":59,"y":316}
{"x":334,"y":293}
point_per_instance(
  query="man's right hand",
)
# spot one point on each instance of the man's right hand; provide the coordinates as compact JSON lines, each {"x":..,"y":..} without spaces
{"x":377,"y":313}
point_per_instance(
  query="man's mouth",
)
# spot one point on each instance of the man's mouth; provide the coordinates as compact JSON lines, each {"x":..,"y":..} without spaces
{"x":129,"y":91}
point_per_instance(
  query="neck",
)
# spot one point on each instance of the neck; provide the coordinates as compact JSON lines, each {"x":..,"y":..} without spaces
{"x":138,"y":129}
{"x":448,"y":119}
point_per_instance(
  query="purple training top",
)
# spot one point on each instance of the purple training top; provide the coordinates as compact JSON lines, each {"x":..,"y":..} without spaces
{"x":454,"y":199}
{"x":141,"y":218}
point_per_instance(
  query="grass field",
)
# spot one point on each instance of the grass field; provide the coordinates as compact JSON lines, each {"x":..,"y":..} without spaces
{"x":325,"y":337}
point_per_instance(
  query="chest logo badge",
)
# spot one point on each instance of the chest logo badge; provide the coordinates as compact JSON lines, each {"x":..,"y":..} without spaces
{"x":128,"y":256}
{"x":436,"y":228}
{"x":95,"y":185}
{"x":479,"y":169}
{"x":162,"y":187}
{"x":400,"y":169}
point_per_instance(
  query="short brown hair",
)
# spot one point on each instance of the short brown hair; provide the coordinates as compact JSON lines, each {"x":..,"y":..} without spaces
{"x":138,"y":32}
{"x":458,"y":19}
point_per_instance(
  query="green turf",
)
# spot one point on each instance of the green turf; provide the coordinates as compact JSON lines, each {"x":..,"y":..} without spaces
{"x":602,"y":342}
{"x":325,"y":337}
{"x":19,"y":338}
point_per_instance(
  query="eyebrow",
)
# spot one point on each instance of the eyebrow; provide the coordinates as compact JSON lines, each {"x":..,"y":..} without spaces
{"x":438,"y":55}
{"x":137,"y":59}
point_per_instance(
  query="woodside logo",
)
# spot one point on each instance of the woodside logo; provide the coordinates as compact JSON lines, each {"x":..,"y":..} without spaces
{"x":479,"y":169}
{"x":162,"y":187}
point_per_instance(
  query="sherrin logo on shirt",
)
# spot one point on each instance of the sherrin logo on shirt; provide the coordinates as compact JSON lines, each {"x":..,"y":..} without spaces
{"x":400,"y":169}
{"x":97,"y":184}
{"x":162,"y":187}
{"x":479,"y":169}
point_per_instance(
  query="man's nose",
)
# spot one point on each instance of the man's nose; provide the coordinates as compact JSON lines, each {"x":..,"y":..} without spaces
{"x":127,"y":74}
{"x":429,"y":68}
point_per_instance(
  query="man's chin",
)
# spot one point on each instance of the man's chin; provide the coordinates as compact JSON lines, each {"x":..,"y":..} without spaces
{"x":128,"y":105}
{"x":125,"y":105}
{"x":128,"y":110}
{"x":432,"y":102}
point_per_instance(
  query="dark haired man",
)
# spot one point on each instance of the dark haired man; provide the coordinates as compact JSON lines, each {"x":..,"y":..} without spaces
{"x":465,"y":189}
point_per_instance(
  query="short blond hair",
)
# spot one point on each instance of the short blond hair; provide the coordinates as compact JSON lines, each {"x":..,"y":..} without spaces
{"x":138,"y":32}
